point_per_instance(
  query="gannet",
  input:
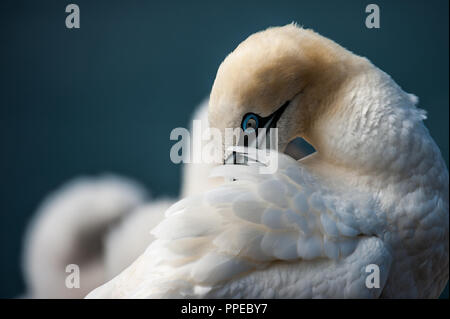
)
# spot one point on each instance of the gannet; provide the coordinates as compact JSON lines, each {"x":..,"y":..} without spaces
{"x":375,"y":192}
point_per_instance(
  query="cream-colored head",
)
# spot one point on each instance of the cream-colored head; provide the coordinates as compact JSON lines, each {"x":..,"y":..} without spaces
{"x":278,"y":65}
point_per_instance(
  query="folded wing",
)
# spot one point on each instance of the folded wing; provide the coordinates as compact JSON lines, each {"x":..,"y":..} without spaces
{"x":248,"y":226}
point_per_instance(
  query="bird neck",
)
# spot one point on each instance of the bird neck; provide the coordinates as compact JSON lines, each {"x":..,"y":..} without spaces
{"x":373,"y":126}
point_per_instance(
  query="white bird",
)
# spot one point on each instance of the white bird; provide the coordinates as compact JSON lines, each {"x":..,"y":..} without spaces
{"x":374,"y":193}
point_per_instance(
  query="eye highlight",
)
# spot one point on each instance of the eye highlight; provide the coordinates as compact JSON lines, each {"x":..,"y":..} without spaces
{"x":250,"y":122}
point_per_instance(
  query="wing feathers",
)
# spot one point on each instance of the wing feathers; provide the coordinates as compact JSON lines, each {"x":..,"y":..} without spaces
{"x":251,"y":222}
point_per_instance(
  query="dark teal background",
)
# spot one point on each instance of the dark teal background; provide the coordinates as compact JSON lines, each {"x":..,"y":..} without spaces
{"x":105,"y":97}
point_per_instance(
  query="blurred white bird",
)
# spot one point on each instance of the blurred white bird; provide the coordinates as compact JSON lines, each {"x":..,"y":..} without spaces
{"x":102,"y":224}
{"x":70,"y":227}
{"x":374,"y":193}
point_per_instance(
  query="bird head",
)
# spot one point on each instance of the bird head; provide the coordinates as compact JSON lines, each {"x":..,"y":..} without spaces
{"x":284,"y":77}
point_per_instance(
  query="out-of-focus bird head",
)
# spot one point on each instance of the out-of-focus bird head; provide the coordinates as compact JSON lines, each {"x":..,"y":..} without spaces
{"x":284,"y":77}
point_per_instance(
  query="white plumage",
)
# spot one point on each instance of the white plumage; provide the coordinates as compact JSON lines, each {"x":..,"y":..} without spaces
{"x":207,"y":242}
{"x":376,"y":191}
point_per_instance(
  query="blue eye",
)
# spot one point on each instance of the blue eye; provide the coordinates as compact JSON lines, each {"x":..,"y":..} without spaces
{"x":250,"y":122}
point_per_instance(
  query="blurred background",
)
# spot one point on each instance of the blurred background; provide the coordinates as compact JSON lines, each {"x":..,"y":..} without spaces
{"x":104,"y":98}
